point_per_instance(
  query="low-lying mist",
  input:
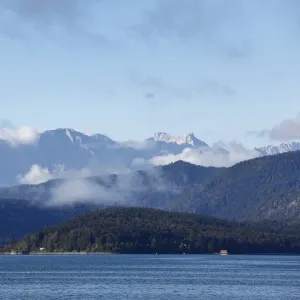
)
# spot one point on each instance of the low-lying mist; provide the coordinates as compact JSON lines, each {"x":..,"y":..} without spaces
{"x":60,"y":186}
{"x":81,"y":187}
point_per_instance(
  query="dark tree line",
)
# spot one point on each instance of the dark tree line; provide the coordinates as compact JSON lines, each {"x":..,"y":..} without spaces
{"x":257,"y":189}
{"x":143,"y":230}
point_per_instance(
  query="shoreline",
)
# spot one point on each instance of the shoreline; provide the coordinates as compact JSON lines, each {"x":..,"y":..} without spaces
{"x":58,"y":253}
{"x":113,"y":253}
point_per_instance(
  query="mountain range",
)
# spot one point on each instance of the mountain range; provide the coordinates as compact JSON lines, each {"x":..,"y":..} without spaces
{"x":68,"y":153}
{"x":264,"y":188}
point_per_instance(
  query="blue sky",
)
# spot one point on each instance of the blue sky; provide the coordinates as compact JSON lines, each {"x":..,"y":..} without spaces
{"x":131,"y":68}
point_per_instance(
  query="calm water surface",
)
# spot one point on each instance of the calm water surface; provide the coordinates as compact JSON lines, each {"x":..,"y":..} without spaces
{"x":149,"y":277}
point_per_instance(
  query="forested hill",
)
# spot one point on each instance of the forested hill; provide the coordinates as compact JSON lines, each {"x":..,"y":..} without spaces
{"x":20,"y":217}
{"x":144,"y":230}
{"x":261,"y":188}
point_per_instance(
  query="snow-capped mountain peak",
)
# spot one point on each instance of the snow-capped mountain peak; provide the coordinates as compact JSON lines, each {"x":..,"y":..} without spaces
{"x":162,"y":137}
{"x":282,"y":148}
{"x":188,"y":139}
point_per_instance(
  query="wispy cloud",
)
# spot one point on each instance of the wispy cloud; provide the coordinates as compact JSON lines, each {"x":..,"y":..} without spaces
{"x":51,"y":18}
{"x":231,"y":154}
{"x":138,"y":145}
{"x":81,"y":186}
{"x":16,"y":136}
{"x":258,"y":133}
{"x":83,"y":190}
{"x":287,"y":130}
{"x":36,"y":175}
{"x":121,"y":190}
{"x":46,"y":12}
{"x":207,"y":21}
{"x":154,"y":87}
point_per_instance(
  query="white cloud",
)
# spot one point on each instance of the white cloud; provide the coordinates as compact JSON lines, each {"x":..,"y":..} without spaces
{"x":77,"y":186}
{"x":82,"y":190}
{"x":36,"y":175}
{"x":208,"y":157}
{"x":74,"y":187}
{"x":139,"y":145}
{"x":58,"y":20}
{"x":139,"y":162}
{"x":287,"y":130}
{"x":110,"y":191}
{"x":16,"y":136}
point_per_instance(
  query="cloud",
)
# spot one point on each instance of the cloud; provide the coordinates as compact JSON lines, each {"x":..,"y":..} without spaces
{"x":83,"y":186}
{"x":153,"y":87}
{"x":38,"y":174}
{"x":287,"y":130}
{"x":82,"y":190}
{"x":139,"y":161}
{"x":74,"y":187}
{"x":138,"y":145}
{"x":239,"y":30}
{"x":22,"y":18}
{"x":216,"y":23}
{"x":45,"y":11}
{"x":106,"y":189}
{"x":17,"y":136}
{"x":258,"y":133}
{"x":41,"y":15}
{"x":209,"y":157}
{"x":35,"y":175}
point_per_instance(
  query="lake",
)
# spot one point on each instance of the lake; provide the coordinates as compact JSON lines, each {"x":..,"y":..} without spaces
{"x":165,"y":277}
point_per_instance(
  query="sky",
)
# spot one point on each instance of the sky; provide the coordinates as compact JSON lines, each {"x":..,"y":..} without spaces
{"x":223,"y":69}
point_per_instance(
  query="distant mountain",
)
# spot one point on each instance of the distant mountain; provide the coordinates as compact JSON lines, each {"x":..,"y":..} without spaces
{"x":65,"y":149}
{"x":282,"y":148}
{"x":189,"y":139}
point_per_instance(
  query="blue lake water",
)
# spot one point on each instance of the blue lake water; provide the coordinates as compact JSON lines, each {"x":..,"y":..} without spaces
{"x":165,"y":277}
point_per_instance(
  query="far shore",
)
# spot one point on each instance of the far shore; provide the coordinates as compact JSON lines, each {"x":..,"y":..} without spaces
{"x":58,"y":253}
{"x":114,"y":253}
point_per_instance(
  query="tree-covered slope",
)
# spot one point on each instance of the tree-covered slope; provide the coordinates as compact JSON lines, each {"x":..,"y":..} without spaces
{"x":19,"y":217}
{"x":144,"y":230}
{"x":267,"y":187}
